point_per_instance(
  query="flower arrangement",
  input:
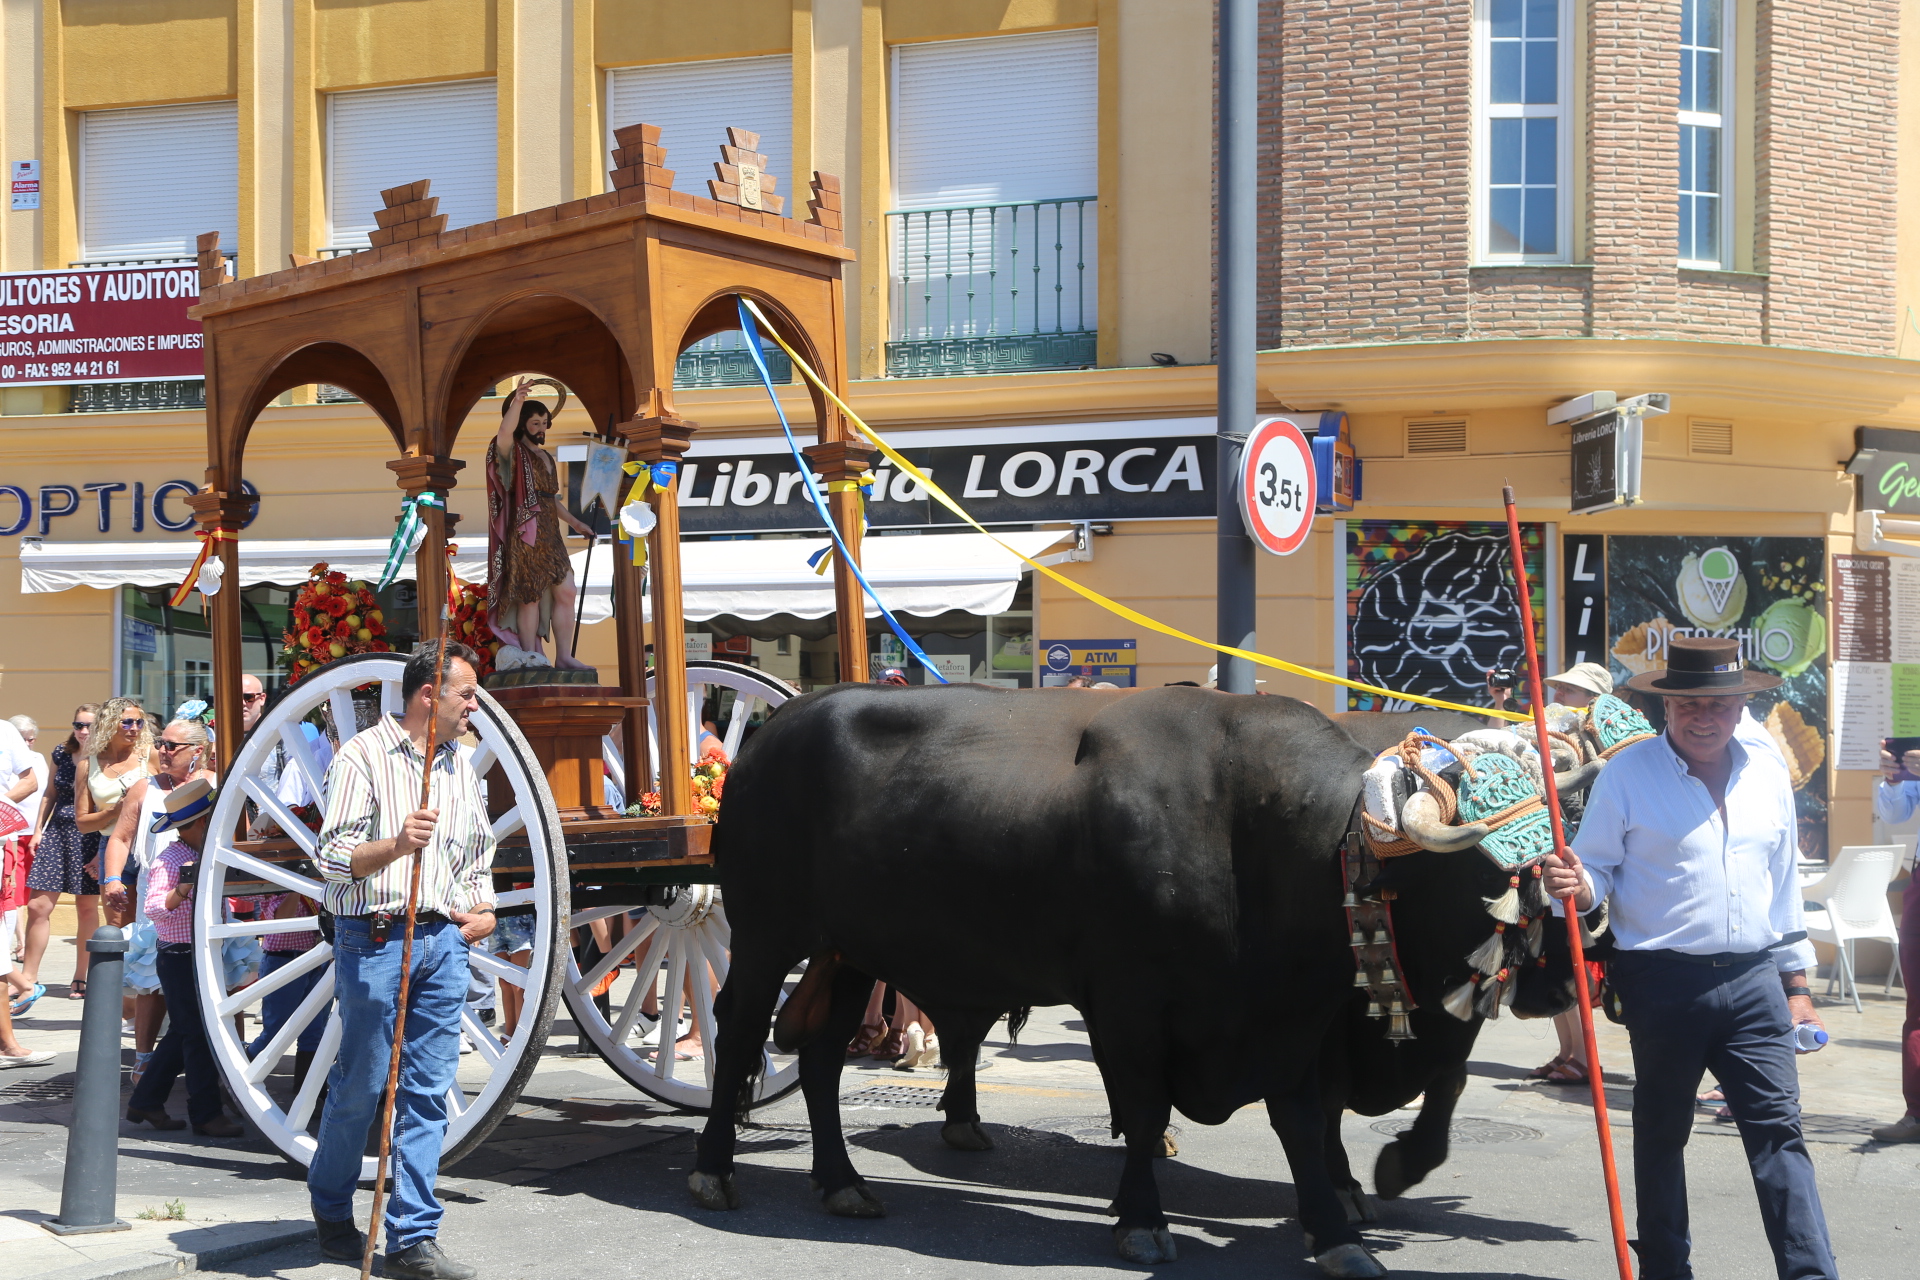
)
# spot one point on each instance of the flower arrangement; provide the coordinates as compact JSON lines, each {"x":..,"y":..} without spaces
{"x":467,"y":611}
{"x":331,"y":618}
{"x":709,"y":780}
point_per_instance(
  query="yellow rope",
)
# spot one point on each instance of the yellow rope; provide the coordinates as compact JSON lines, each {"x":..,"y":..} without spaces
{"x":1112,"y":606}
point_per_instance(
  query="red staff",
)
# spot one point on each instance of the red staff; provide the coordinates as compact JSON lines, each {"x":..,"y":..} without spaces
{"x":406,"y":967}
{"x":1612,"y":1175}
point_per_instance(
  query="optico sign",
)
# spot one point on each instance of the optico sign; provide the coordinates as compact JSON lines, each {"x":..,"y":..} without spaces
{"x":104,"y":324}
{"x":20,"y":507}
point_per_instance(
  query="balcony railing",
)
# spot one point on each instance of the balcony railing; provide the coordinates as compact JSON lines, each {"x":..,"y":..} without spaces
{"x":116,"y":397}
{"x":723,"y":360}
{"x":993,"y":288}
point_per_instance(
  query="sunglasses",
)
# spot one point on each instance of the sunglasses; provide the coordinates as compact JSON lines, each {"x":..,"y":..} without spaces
{"x":253,"y":697}
{"x":131,"y":724}
{"x":81,"y":726}
{"x":164,"y":745}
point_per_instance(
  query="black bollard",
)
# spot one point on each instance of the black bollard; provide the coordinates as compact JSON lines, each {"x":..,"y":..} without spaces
{"x":88,"y":1189}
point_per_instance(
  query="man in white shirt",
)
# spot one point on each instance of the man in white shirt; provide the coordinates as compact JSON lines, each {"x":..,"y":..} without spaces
{"x":1692,"y":836}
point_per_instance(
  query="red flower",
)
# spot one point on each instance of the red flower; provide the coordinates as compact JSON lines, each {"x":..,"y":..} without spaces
{"x":337,"y":579}
{"x":301,"y":619}
{"x":337,"y":606}
{"x":381,"y":646}
{"x":341,"y":631}
{"x":377,"y":628}
{"x":316,"y":637}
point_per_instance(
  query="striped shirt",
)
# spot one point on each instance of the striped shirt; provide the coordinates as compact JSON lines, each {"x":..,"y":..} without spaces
{"x":372,"y":785}
{"x":267,"y":906}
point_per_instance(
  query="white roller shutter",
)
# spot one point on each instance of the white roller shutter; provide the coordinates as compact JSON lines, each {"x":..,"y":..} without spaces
{"x":381,"y":138}
{"x":154,"y":179}
{"x":694,"y":103}
{"x":994,"y":120}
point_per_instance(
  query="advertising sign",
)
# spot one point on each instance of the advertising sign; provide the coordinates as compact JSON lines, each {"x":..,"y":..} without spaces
{"x":1155,"y":478}
{"x":26,"y":185}
{"x":1584,"y":624}
{"x":1431,"y":608}
{"x":1336,"y":466}
{"x":1876,"y":656}
{"x":1605,"y":463}
{"x":104,"y":324}
{"x":1888,"y":463}
{"x":1276,"y":487}
{"x":1109,"y":661}
{"x":1770,"y":594}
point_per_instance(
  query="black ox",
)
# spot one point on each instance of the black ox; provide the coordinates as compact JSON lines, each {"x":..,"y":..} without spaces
{"x":1165,"y":862}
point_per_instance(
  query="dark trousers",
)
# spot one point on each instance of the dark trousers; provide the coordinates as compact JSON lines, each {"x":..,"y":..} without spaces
{"x":1910,"y":979}
{"x":1685,"y":1019}
{"x":184,"y":1047}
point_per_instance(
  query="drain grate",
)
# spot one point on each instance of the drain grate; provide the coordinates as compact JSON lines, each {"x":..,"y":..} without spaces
{"x":893,"y":1095}
{"x":52,"y":1089}
{"x":1468,"y":1130}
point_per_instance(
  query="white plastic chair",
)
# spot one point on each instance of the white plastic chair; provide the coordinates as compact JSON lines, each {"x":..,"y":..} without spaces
{"x":1850,"y":903}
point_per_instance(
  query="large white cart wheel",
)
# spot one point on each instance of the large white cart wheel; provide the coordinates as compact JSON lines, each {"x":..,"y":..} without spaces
{"x":492,"y":1074}
{"x":679,"y":940}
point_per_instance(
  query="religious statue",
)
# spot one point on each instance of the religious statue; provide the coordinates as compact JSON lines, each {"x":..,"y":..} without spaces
{"x":530,"y":577}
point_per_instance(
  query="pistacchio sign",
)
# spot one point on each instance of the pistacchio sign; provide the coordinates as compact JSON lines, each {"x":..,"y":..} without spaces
{"x":104,"y":324}
{"x":1887,"y":461}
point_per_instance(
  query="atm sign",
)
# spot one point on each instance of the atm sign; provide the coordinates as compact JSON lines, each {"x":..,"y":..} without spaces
{"x":1103,"y":661}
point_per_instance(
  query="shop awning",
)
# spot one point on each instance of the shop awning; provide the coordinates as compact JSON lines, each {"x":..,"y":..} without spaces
{"x":56,"y":566}
{"x":923,"y":575}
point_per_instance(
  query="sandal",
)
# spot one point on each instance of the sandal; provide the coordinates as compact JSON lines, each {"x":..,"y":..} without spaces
{"x":27,"y":1001}
{"x":890,"y":1046}
{"x":1710,"y":1097}
{"x":1568,"y":1072}
{"x":1542,"y":1072}
{"x":866,"y":1039}
{"x":77,"y":989}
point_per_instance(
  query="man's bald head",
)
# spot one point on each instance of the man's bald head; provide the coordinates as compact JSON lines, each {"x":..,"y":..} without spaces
{"x":253,"y":700}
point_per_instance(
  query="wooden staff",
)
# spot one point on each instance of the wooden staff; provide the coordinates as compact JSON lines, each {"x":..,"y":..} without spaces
{"x":1621,"y":1253}
{"x":406,"y":971}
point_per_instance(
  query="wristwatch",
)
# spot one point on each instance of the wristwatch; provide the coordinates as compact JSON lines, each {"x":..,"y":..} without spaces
{"x":1799,"y":991}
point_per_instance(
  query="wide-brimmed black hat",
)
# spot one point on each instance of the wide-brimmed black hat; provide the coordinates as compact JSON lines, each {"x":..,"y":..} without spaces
{"x":1703,"y":666}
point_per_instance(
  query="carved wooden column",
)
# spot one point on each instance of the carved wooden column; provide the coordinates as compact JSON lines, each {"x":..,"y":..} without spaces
{"x":846,"y":460}
{"x":214,"y":510}
{"x":415,"y":476}
{"x":663,"y":437}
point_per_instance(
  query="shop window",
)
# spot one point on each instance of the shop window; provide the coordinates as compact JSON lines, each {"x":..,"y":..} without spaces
{"x":1705,"y":157}
{"x":1523,"y":157}
{"x":1443,"y":436}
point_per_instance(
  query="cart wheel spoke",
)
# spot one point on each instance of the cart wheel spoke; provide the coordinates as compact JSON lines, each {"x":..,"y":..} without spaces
{"x":300,"y":1111}
{"x":499,"y":967}
{"x":510,"y":823}
{"x":477,"y":1035}
{"x":254,"y":992}
{"x":646,"y":973}
{"x":283,"y":817}
{"x":265,"y":928}
{"x":621,"y":950}
{"x":318,"y":1001}
{"x":271,"y":872}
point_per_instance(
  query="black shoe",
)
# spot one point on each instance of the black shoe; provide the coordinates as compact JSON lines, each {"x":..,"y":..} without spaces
{"x":341,"y":1241}
{"x":424,"y":1261}
{"x":219,"y":1127}
{"x":158,"y":1119}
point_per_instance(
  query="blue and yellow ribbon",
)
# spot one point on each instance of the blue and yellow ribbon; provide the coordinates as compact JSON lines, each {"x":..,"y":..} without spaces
{"x":747,"y":326}
{"x":748,"y":309}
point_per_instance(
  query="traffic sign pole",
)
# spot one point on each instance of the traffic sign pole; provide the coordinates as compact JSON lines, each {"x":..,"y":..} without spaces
{"x":1234,"y":327}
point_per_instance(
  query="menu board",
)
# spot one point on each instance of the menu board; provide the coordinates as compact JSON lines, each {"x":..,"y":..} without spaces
{"x":1876,"y":646}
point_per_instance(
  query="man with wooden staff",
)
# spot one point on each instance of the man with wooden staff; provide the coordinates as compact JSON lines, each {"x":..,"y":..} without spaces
{"x":374,"y":821}
{"x":1693,"y":839}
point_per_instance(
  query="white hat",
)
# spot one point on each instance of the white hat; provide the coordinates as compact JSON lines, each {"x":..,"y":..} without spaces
{"x":1213,"y":678}
{"x":186,"y":802}
{"x":1591,"y":676}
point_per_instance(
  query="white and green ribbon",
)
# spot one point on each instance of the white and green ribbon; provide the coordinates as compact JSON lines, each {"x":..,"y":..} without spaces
{"x":408,"y":535}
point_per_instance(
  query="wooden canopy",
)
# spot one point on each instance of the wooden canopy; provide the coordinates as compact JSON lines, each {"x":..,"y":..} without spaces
{"x":601,"y":294}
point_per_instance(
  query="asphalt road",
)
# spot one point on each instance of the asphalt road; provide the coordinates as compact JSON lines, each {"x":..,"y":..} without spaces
{"x":1520,"y":1197}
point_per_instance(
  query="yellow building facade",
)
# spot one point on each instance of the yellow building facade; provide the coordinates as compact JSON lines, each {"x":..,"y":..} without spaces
{"x":1754,"y":446}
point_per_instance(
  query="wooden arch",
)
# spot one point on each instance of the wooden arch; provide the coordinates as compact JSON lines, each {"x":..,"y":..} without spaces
{"x":602,"y":294}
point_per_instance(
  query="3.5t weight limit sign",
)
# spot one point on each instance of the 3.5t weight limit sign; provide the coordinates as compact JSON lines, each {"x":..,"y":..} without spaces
{"x":1277,"y":486}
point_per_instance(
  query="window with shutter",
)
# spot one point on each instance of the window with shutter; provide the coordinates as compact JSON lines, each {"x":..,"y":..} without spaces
{"x":153,"y":179}
{"x":381,"y":138}
{"x":992,"y":232}
{"x":695,"y":103}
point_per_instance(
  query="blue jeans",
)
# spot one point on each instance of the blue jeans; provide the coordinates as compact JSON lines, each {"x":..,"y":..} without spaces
{"x":367,"y":980}
{"x":1683,"y":1020}
{"x":277,"y":1007}
{"x":184,"y":1047}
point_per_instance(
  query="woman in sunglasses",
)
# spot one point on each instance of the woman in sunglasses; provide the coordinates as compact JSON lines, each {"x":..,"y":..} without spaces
{"x":61,"y":855}
{"x":119,"y":754}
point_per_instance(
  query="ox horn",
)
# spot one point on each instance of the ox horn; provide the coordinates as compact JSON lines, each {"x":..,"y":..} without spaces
{"x":1577,"y":779}
{"x":1420,"y":820}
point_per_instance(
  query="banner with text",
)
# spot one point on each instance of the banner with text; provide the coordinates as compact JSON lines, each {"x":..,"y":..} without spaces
{"x":103,"y":324}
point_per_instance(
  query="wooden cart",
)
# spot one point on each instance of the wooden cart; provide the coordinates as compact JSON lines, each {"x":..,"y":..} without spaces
{"x":601,"y":294}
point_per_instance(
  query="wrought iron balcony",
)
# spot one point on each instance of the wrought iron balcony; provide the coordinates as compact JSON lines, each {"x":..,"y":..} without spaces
{"x":724,"y":361}
{"x":993,"y":288}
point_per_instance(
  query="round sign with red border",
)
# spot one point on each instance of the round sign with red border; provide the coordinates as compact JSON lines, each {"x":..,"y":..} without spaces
{"x":1277,"y":486}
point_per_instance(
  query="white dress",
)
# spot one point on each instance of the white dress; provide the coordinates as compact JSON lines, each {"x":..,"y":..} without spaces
{"x":142,"y":942}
